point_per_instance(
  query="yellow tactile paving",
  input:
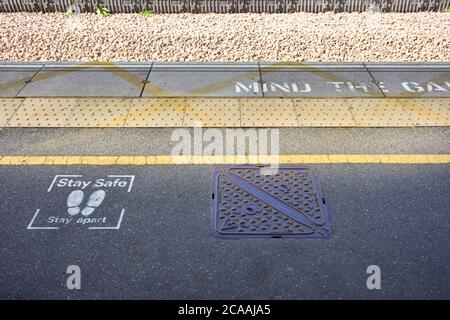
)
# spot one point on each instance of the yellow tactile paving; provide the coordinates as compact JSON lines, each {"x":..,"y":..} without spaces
{"x":7,"y":109}
{"x":428,"y":112}
{"x":99,"y":113}
{"x":149,"y":112}
{"x":218,"y":112}
{"x":268,"y":113}
{"x":379,"y":113}
{"x":212,"y":113}
{"x":323,"y":113}
{"x":43,"y":112}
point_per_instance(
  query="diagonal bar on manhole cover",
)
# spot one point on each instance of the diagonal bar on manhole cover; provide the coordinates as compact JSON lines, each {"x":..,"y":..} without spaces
{"x":247,"y":203}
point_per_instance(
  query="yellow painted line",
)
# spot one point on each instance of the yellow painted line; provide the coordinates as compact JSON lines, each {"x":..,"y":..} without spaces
{"x":223,"y":112}
{"x":266,"y":159}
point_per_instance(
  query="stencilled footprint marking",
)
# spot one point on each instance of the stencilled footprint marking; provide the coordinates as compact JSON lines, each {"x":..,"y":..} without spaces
{"x":74,"y":200}
{"x":76,"y":197}
{"x":95,"y":200}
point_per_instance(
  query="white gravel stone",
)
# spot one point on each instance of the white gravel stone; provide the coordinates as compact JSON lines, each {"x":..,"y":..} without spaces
{"x":226,"y":37}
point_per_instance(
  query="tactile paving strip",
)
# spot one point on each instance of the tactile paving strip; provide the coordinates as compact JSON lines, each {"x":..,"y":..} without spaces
{"x":156,"y":113}
{"x":212,"y":112}
{"x":246,"y":203}
{"x":43,"y":112}
{"x":219,"y":112}
{"x":99,"y":113}
{"x":379,"y":113}
{"x":268,"y":113}
{"x":323,"y":113}
{"x":7,"y":109}
{"x":428,"y":112}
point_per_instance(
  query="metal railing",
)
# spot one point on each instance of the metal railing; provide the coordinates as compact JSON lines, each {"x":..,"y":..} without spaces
{"x":226,"y":6}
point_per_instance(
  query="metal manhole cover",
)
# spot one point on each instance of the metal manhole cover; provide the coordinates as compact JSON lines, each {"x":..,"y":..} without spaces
{"x":248,"y":204}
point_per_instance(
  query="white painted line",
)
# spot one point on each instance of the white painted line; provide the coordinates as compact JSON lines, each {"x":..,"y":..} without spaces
{"x":111,"y":228}
{"x":124,"y":176}
{"x":61,"y":175}
{"x":38,"y":228}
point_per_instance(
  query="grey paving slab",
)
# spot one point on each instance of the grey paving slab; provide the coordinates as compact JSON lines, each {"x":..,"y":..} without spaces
{"x":395,"y":217}
{"x":21,"y":65}
{"x":318,"y":80}
{"x":200,"y":80}
{"x":13,"y":77}
{"x":412,"y":79}
{"x":99,"y":66}
{"x":57,"y":80}
{"x":413,"y":83}
{"x":417,"y":66}
{"x":309,"y":80}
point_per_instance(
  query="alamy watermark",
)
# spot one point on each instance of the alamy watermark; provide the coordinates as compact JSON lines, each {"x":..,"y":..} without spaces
{"x":74,"y":279}
{"x":229,"y":145}
{"x":374,"y":280}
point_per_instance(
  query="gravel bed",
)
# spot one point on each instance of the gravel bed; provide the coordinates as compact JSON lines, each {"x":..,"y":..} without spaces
{"x":292,"y":37}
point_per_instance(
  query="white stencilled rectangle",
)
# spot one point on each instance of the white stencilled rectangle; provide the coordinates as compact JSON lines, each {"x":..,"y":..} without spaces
{"x":84,"y":197}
